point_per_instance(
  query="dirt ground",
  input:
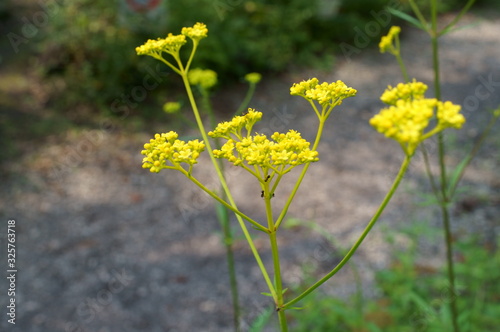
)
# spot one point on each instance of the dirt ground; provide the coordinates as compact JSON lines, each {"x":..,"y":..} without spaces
{"x":105,"y":246}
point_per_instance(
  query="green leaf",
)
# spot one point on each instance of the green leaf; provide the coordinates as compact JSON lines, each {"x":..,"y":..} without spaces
{"x":406,"y":17}
{"x":296,"y":308}
{"x":455,"y":176}
{"x":222,"y":215}
{"x":452,"y":28}
{"x":267,"y":294}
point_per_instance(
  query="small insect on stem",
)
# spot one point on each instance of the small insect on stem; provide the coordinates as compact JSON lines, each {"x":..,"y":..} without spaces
{"x":267,"y":178}
{"x":262,"y":193}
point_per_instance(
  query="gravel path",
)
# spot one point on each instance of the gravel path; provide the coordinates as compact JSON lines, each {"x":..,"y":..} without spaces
{"x":105,"y":246}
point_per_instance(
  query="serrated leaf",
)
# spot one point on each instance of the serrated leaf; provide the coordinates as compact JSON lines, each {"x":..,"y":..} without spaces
{"x":410,"y":19}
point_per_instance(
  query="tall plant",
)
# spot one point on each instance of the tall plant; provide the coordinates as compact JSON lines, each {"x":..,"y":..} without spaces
{"x":407,"y":119}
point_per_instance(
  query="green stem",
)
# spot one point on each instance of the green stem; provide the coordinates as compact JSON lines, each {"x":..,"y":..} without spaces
{"x":419,"y":14}
{"x":428,"y":171}
{"x":221,"y":201}
{"x":451,"y":272}
{"x":223,"y":182}
{"x":233,"y":282}
{"x":458,"y":17}
{"x":471,"y":155}
{"x":402,"y":67}
{"x":246,"y":100}
{"x":224,"y":220}
{"x":356,"y":245}
{"x":276,"y":259}
{"x":444,"y":194}
{"x":301,"y":176}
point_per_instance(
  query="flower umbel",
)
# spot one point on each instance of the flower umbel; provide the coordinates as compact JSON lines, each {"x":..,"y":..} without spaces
{"x":253,"y":78}
{"x":197,"y":32}
{"x":166,"y":151}
{"x":410,"y":114}
{"x":205,"y":78}
{"x":236,"y":125}
{"x":171,"y":44}
{"x":278,"y":155}
{"x":390,"y":42}
{"x":328,"y":95}
{"x":171,"y":107}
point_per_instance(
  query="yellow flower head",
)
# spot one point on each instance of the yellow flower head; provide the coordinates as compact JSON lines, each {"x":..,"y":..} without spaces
{"x":236,"y":125}
{"x":253,"y":78}
{"x":327,"y":94}
{"x":166,"y":151}
{"x":405,"y":121}
{"x":283,"y":150}
{"x":448,"y":115}
{"x":406,"y":91}
{"x":171,"y":44}
{"x":279,"y":154}
{"x":496,"y":113}
{"x":205,"y":78}
{"x":387,"y":43}
{"x":197,"y":32}
{"x":171,"y":107}
{"x":409,"y":114}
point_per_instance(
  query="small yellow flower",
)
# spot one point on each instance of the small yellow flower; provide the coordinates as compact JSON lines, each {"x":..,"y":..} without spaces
{"x":171,"y":44}
{"x":388,"y":42}
{"x":326,"y":94}
{"x":205,"y":78}
{"x":166,"y":151}
{"x":253,"y":78}
{"x":197,"y":32}
{"x":171,"y":107}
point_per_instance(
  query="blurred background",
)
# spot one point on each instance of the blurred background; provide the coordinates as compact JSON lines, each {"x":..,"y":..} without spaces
{"x":105,"y":246}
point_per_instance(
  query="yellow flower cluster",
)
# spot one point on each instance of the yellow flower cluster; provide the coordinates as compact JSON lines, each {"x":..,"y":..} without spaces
{"x":244,"y":149}
{"x":235,"y":126}
{"x":205,"y":78}
{"x":288,"y":149}
{"x":407,"y":118}
{"x":412,"y":90}
{"x":171,"y":107}
{"x":253,"y":78}
{"x":166,"y":148}
{"x":387,"y":42}
{"x":325,"y":93}
{"x":172,"y":43}
{"x":197,"y":32}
